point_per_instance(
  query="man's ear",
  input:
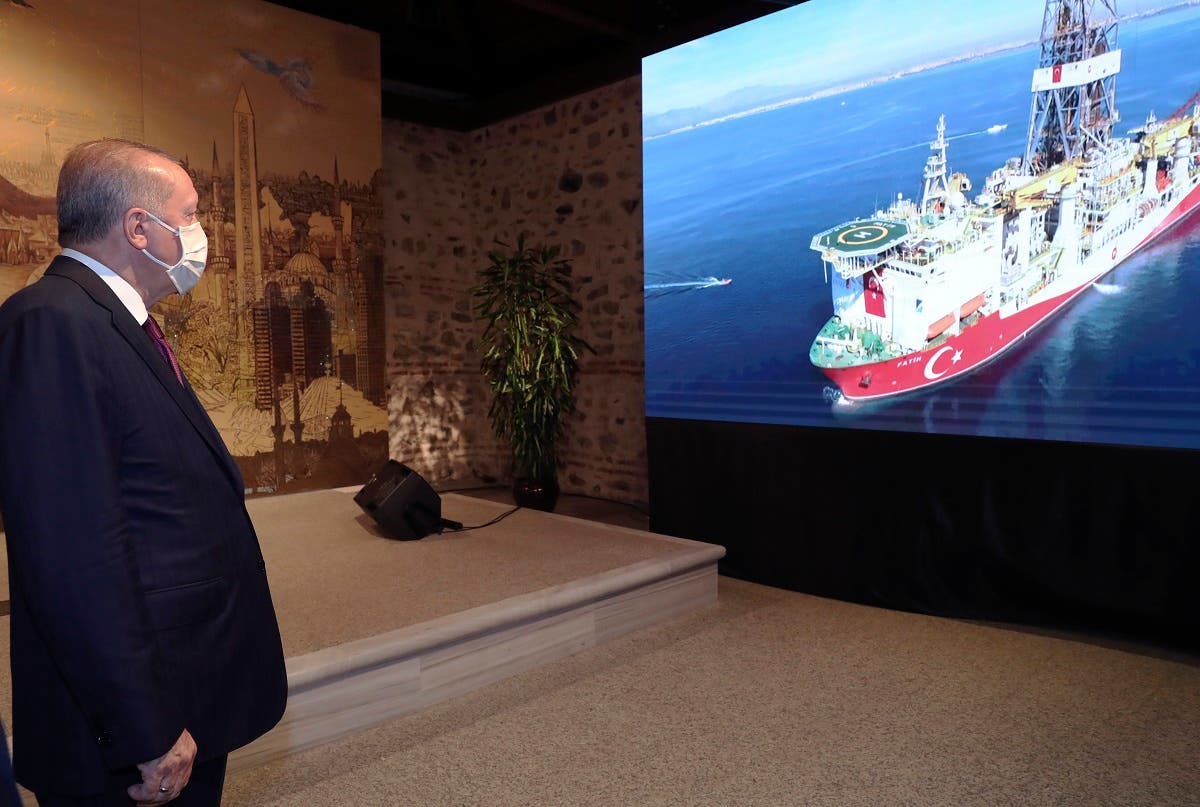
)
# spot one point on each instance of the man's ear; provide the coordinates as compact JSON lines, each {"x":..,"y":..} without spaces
{"x":133,"y":224}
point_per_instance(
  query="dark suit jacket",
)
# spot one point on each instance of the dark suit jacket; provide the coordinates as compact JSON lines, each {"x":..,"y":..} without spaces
{"x":9,"y":797}
{"x":140,"y":604}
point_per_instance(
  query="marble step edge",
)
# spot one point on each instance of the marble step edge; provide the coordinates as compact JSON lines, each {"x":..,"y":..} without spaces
{"x":320,"y":667}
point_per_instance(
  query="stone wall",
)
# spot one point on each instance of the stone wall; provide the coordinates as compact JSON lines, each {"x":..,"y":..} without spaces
{"x":569,"y":173}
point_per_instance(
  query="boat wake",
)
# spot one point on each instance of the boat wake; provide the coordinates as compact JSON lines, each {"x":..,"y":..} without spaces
{"x":1107,"y":288}
{"x":991,"y":130}
{"x":653,"y":290}
{"x":704,"y":283}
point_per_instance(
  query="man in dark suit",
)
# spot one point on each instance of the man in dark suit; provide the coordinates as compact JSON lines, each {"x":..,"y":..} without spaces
{"x":144,"y":641}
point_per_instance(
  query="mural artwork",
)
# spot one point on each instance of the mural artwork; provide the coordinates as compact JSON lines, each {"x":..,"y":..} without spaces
{"x":276,"y":117}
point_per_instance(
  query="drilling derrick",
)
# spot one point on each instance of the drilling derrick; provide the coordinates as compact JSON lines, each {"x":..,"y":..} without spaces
{"x":1074,"y":87}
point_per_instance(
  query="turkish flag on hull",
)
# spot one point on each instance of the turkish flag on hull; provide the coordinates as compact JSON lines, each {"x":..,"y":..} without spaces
{"x":873,"y":296}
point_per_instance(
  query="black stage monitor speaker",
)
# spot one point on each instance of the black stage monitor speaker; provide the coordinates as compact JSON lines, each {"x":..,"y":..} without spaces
{"x":401,"y":502}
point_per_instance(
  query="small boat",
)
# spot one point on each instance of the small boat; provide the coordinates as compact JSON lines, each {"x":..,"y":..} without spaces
{"x":997,"y":128}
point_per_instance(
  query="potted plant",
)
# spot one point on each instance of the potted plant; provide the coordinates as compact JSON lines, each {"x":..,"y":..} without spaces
{"x":530,"y":357}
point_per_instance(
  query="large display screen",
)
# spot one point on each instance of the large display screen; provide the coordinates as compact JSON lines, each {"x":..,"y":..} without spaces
{"x":929,"y":215}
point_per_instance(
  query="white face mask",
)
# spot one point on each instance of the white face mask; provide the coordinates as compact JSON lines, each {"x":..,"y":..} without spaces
{"x":186,"y":273}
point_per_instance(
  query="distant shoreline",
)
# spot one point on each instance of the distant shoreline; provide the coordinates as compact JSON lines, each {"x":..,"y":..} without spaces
{"x":880,"y":79}
{"x":849,"y":87}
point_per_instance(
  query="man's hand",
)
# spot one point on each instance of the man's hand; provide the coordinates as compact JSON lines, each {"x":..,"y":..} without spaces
{"x":164,"y":778}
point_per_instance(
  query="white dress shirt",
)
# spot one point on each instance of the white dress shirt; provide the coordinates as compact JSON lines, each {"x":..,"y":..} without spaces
{"x":126,"y":293}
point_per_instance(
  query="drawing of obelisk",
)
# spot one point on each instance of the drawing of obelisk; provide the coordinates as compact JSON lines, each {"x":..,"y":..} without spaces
{"x":247,"y":246}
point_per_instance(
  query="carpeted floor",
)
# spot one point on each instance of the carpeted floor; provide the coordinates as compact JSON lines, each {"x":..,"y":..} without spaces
{"x":774,"y":698}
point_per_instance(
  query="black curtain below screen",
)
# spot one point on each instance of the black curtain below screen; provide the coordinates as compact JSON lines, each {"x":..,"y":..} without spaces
{"x":1035,"y":532}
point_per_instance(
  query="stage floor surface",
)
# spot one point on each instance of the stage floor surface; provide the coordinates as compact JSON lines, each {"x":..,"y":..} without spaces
{"x":336,"y":578}
{"x":374,"y":627}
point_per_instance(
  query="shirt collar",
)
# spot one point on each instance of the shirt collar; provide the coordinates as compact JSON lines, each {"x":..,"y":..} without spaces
{"x":120,"y":286}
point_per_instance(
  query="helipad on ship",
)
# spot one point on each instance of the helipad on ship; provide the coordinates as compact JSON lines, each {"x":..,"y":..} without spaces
{"x":862,"y":237}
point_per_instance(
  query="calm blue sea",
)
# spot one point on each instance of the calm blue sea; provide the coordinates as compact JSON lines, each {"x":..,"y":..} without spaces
{"x":742,"y":200}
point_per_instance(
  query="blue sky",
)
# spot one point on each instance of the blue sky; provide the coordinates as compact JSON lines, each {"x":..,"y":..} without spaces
{"x":821,"y":43}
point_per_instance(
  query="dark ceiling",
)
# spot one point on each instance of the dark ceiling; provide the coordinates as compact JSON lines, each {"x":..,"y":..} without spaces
{"x":462,"y":64}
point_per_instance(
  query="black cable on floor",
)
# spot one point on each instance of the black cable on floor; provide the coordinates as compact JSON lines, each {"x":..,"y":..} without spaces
{"x":495,"y":520}
{"x":476,"y":487}
{"x":646,"y":513}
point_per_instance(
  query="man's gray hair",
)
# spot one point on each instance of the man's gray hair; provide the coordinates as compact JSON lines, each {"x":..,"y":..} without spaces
{"x":100,"y":180}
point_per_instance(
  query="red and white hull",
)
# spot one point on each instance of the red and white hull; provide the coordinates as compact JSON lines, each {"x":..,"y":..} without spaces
{"x":995,"y":333}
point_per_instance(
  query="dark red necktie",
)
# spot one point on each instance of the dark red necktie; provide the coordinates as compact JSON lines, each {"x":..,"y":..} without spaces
{"x":160,"y":342}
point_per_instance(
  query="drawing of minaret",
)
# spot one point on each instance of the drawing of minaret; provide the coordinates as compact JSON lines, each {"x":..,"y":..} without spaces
{"x":247,"y":246}
{"x":217,"y":211}
{"x":277,"y":430}
{"x":269,"y":265}
{"x":339,"y":263}
{"x":216,"y":289}
{"x":343,"y":308}
{"x":48,"y":154}
{"x":297,"y":423}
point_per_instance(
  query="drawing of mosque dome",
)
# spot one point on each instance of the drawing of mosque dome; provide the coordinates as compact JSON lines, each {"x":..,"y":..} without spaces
{"x":305,"y":266}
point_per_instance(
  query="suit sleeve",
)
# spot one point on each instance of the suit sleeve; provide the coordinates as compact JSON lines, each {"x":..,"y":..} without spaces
{"x":70,"y":554}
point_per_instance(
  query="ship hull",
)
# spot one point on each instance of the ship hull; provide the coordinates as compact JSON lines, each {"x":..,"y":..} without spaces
{"x":995,"y":334}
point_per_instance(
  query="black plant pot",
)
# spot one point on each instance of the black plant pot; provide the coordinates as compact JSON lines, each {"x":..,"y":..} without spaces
{"x":536,"y":494}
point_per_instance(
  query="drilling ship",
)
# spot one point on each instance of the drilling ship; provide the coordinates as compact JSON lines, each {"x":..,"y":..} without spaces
{"x":927,"y":291}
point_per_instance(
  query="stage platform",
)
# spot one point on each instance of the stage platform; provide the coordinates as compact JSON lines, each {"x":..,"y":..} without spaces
{"x":375,"y":628}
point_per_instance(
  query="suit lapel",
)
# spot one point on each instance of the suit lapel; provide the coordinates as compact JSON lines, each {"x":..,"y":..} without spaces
{"x":140,"y":342}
